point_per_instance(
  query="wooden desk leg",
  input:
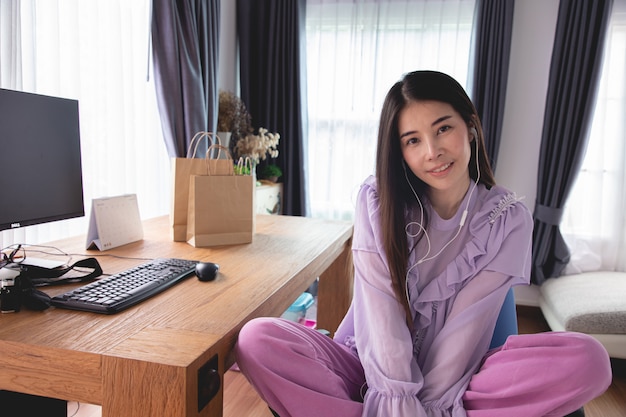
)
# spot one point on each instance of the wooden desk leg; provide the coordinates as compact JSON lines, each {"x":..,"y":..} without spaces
{"x":334,"y":292}
{"x":141,"y":389}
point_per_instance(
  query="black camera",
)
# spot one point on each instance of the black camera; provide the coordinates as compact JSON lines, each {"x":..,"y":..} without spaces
{"x":18,"y":282}
{"x":18,"y":291}
{"x":10,"y":295}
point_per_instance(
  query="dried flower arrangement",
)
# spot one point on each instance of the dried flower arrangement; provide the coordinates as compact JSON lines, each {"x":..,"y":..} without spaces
{"x":233,"y":116}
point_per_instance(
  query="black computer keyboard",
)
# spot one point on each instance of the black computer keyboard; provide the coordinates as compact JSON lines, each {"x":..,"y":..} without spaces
{"x":118,"y":292}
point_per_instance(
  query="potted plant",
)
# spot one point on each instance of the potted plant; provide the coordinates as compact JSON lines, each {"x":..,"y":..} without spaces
{"x":270,"y":172}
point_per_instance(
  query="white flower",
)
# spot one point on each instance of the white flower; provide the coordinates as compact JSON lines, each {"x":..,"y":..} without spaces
{"x":257,"y":147}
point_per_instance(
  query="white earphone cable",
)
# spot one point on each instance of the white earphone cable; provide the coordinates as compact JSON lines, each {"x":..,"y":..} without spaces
{"x":421,"y":227}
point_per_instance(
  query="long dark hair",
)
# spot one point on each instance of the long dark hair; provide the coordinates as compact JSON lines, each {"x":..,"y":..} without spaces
{"x":394,"y":191}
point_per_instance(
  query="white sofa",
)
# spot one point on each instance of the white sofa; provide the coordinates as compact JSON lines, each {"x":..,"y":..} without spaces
{"x":590,"y":302}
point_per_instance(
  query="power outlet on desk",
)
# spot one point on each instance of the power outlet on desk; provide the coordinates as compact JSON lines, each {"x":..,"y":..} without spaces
{"x":209,"y":382}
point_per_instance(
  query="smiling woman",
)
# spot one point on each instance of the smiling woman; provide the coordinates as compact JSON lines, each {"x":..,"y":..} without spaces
{"x":95,"y":52}
{"x":416,"y":339}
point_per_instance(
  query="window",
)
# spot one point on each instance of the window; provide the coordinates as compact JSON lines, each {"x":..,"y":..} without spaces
{"x":97,"y":52}
{"x":356,"y":50}
{"x":594,"y":224}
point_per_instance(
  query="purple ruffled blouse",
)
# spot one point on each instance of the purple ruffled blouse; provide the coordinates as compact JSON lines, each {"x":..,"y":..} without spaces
{"x":456,"y":293}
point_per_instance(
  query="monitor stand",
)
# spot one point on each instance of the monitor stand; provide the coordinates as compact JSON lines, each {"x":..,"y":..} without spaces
{"x":25,"y":405}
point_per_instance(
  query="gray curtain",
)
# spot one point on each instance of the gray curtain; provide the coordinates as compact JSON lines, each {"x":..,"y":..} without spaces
{"x":271,"y":46}
{"x":185,"y":46}
{"x":491,"y":45}
{"x":572,"y":87}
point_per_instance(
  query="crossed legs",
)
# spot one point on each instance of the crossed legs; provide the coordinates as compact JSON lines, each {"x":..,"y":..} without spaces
{"x":300,"y":372}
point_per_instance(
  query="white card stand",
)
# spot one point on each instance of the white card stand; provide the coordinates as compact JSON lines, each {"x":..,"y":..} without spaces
{"x":114,"y":222}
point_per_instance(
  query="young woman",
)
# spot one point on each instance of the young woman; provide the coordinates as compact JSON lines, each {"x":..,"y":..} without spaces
{"x":437,"y":246}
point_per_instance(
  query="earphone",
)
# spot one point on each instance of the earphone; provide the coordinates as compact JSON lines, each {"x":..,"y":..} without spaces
{"x":420,"y":224}
{"x":475,"y":134}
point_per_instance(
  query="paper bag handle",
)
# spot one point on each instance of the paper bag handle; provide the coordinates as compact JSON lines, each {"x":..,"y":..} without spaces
{"x":220,"y":148}
{"x":243,"y":163}
{"x":197,"y":138}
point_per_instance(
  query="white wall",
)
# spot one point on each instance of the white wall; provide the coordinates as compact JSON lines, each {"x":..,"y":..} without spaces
{"x":228,"y":70}
{"x":534,"y":24}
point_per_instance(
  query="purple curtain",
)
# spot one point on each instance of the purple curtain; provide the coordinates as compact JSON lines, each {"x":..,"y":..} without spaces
{"x":271,"y":44}
{"x":185,"y":46}
{"x":572,"y":87}
{"x":491,"y":46}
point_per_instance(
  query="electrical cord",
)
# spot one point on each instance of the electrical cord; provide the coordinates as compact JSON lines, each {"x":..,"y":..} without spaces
{"x":55,"y":251}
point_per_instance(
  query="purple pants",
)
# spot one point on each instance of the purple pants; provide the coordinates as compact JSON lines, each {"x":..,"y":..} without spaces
{"x":300,"y":372}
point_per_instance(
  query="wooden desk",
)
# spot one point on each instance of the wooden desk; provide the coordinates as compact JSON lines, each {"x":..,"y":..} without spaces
{"x":145,"y":360}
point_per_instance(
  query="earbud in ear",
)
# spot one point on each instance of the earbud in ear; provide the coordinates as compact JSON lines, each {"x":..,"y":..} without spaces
{"x":474,"y":132}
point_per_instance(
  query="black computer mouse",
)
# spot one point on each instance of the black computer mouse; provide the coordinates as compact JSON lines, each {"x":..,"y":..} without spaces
{"x":206,"y":271}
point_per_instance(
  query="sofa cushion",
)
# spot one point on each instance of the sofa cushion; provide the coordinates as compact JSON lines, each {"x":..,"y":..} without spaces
{"x":591,"y":302}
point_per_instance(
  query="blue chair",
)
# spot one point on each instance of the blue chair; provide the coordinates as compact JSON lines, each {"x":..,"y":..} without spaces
{"x":507,"y":321}
{"x":506,"y":325}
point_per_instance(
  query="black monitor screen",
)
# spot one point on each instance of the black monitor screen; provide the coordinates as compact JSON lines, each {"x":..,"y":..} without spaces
{"x":40,"y":161}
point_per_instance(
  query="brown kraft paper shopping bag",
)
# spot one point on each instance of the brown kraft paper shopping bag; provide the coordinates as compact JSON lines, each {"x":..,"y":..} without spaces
{"x":182,"y":169}
{"x":221,"y":205}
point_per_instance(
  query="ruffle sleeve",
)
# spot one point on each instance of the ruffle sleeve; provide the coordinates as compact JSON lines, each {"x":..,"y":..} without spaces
{"x":382,"y":338}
